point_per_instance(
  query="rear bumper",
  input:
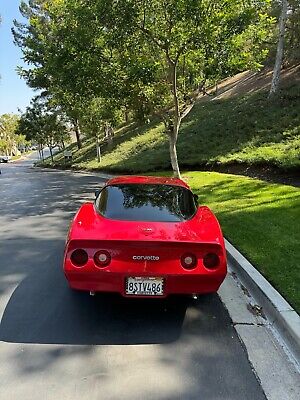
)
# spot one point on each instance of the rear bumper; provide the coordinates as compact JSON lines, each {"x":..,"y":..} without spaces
{"x":173,"y":284}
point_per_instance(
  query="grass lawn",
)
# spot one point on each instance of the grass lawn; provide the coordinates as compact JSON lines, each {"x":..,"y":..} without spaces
{"x":246,"y":129}
{"x":14,"y":158}
{"x":261,"y":220}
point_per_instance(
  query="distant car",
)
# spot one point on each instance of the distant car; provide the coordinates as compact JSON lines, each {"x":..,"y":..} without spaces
{"x":145,"y":237}
{"x":5,"y":159}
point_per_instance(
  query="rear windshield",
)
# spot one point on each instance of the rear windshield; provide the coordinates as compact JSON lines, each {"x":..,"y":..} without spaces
{"x":136,"y":202}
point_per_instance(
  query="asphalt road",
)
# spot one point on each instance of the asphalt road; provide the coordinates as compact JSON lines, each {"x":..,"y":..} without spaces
{"x":59,"y":345}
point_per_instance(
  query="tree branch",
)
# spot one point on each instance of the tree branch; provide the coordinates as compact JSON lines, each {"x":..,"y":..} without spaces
{"x":188,"y":107}
{"x":153,"y":38}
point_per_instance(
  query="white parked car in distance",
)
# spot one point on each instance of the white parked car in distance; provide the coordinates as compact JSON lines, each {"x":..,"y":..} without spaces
{"x":5,"y":159}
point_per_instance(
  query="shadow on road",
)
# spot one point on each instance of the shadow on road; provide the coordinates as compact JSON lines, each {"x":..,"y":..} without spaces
{"x":43,"y":309}
{"x":198,"y":353}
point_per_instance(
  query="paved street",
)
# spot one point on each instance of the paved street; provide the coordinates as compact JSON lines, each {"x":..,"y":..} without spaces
{"x":59,"y":345}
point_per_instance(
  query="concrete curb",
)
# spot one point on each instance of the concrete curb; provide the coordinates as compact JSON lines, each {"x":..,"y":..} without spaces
{"x":279,"y":312}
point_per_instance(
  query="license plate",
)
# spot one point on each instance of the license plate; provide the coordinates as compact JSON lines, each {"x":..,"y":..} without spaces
{"x":142,"y":286}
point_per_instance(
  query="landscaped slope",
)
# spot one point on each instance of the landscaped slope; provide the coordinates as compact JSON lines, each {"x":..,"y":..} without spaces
{"x":239,"y":129}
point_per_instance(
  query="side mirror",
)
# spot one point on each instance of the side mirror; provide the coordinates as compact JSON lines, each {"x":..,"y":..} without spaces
{"x":97,"y":193}
{"x":196,"y":198}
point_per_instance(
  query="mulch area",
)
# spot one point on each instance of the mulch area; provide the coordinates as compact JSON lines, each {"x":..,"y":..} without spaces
{"x":264,"y":172}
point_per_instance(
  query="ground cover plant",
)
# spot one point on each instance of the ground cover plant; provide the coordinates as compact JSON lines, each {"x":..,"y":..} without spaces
{"x":243,"y":129}
{"x":260,"y":219}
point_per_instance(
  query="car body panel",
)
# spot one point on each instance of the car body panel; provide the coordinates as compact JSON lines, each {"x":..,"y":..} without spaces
{"x":160,"y":180}
{"x":145,"y":249}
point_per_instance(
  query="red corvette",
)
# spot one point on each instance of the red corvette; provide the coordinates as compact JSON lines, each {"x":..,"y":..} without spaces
{"x":145,"y":237}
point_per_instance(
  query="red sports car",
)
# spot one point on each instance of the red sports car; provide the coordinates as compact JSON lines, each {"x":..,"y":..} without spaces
{"x":145,"y":237}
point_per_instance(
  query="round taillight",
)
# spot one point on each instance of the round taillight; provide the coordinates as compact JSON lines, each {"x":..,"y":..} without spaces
{"x":79,"y":257}
{"x":102,"y":258}
{"x":189,"y":261}
{"x":211,"y":261}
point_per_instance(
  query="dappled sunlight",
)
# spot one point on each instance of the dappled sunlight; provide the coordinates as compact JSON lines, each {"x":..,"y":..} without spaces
{"x":244,"y":129}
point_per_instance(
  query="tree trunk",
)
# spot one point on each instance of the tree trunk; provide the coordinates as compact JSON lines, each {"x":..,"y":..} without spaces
{"x":98,"y":149}
{"x":279,"y":54}
{"x":173,"y":157}
{"x":173,"y":134}
{"x":216,"y":88}
{"x":51,"y":153}
{"x":77,"y":133}
{"x":110,"y":132}
{"x":126,"y":114}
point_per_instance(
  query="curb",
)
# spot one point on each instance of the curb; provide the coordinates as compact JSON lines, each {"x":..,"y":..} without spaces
{"x":278,"y":311}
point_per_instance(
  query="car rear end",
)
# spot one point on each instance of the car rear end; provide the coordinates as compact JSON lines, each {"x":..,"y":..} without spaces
{"x":145,"y":268}
{"x":145,"y":240}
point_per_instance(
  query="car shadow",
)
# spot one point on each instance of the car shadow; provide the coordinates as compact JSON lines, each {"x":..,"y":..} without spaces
{"x":43,"y":310}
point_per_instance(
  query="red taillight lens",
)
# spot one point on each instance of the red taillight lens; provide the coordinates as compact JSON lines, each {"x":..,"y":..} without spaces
{"x":79,"y":257}
{"x":211,"y":261}
{"x":189,"y":261}
{"x":102,"y":258}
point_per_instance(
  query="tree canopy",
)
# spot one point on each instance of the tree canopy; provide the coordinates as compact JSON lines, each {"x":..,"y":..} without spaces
{"x":100,"y":60}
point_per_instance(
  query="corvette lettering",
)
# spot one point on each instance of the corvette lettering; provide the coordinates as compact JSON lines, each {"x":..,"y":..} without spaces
{"x":146,"y":258}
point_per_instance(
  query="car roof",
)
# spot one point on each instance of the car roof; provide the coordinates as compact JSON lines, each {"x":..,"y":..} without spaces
{"x":150,"y":180}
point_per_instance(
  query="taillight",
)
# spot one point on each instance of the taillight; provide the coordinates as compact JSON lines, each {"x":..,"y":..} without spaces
{"x":102,"y":258}
{"x":211,"y":261}
{"x":79,"y":257}
{"x":189,"y":261}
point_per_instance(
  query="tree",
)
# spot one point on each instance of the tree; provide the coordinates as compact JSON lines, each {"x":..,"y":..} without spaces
{"x":152,"y":57}
{"x":44,"y":126}
{"x":99,"y":119}
{"x":182,"y":45}
{"x":8,"y":133}
{"x":292,"y":34}
{"x":35,"y":40}
{"x":280,"y":47}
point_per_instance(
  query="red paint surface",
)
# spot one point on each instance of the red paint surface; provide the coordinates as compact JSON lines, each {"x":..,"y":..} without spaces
{"x":150,"y":180}
{"x":125,"y":239}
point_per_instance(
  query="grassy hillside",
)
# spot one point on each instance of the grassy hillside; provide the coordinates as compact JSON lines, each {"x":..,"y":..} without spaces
{"x":240,"y":129}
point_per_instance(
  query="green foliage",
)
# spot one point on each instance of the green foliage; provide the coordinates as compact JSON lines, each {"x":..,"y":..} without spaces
{"x":98,"y":113}
{"x":243,"y":129}
{"x":147,"y":57}
{"x":9,"y":139}
{"x":293,"y":32}
{"x":260,"y":219}
{"x":41,"y":124}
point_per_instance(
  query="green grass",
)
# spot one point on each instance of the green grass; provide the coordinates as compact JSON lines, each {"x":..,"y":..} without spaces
{"x":247,"y":129}
{"x":261,"y":220}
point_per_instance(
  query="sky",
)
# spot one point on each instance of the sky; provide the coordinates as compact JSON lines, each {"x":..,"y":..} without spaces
{"x":14,"y":93}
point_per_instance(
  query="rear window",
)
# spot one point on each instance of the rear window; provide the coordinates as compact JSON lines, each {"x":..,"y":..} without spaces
{"x":136,"y":202}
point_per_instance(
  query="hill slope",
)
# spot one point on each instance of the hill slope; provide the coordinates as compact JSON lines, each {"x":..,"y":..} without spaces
{"x":239,"y":125}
